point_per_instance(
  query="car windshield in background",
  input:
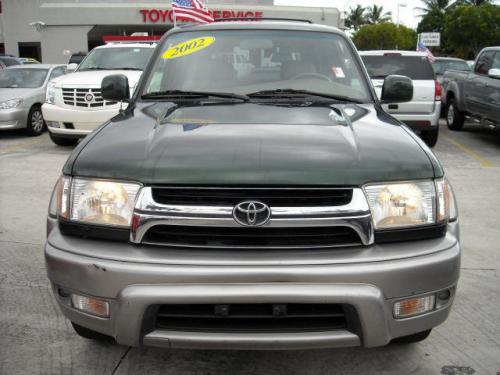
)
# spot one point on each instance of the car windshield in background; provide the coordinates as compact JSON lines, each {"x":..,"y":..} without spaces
{"x":134,"y":58}
{"x":415,"y":67}
{"x":9,"y":61}
{"x":22,"y":78}
{"x":441,"y":66}
{"x":266,"y":62}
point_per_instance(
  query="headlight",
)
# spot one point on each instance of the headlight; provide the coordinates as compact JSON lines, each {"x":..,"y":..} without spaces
{"x":50,"y":96}
{"x":9,"y":104}
{"x":409,"y":204}
{"x":98,"y":202}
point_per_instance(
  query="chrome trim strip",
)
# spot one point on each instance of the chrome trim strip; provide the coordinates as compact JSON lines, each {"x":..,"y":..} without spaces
{"x":355,"y":215}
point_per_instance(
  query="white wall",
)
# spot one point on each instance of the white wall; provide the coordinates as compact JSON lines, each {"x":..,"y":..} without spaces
{"x":17,"y":15}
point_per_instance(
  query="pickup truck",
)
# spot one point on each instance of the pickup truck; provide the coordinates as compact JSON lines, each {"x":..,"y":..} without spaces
{"x":476,"y":93}
{"x":268,"y":208}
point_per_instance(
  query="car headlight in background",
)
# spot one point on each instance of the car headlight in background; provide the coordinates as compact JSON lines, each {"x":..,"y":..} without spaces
{"x":98,"y":202}
{"x":50,"y":95}
{"x":9,"y":104}
{"x":409,"y":204}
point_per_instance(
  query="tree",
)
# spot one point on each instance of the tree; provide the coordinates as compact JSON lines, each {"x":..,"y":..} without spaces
{"x":473,"y":2}
{"x":375,"y":14}
{"x":433,"y":21}
{"x":355,"y":18}
{"x":470,"y":28}
{"x":385,"y":36}
{"x":435,"y":5}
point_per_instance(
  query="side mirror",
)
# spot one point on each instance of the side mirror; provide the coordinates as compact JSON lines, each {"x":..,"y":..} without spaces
{"x":115,"y":88}
{"x":70,"y":68}
{"x":397,"y":89}
{"x":494,"y":73}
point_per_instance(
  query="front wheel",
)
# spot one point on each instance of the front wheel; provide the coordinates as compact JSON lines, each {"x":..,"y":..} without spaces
{"x":410,"y":339}
{"x":454,"y":117}
{"x":63,"y":141}
{"x":430,"y":137}
{"x":35,"y":123}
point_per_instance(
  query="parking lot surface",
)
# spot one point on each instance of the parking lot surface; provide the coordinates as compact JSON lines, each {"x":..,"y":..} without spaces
{"x":36,"y":339}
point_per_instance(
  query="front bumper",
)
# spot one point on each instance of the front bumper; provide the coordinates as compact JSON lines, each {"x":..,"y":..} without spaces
{"x":74,"y":122}
{"x":367,"y":283}
{"x":13,"y":118}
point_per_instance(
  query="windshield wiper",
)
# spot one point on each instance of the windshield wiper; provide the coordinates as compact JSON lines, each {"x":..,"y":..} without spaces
{"x":180,"y":94}
{"x":93,"y":68}
{"x":127,"y":68}
{"x":293,"y":94}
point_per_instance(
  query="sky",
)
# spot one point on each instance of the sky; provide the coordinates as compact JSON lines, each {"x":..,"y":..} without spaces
{"x":408,"y":15}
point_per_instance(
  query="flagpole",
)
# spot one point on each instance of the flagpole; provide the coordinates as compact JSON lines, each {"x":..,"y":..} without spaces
{"x":173,"y":12}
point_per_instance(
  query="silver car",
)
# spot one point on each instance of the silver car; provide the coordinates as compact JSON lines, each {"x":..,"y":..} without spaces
{"x":423,"y":111}
{"x":22,"y":93}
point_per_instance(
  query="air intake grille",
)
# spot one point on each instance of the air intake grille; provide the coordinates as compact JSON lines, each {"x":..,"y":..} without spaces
{"x":251,"y":238}
{"x":272,"y":197}
{"x":263,"y":317}
{"x":85,"y":98}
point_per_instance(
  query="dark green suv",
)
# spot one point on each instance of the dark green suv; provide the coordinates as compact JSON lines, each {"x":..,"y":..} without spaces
{"x":254,"y":195}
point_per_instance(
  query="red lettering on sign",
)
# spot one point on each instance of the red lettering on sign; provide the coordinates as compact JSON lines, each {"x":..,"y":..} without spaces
{"x":164,"y":15}
{"x":216,"y":14}
{"x":144,"y":13}
{"x":226,"y":14}
{"x":249,"y":14}
{"x":154,"y":15}
{"x":259,"y":14}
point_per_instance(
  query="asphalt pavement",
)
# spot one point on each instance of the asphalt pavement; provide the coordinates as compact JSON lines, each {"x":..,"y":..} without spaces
{"x":36,"y":339}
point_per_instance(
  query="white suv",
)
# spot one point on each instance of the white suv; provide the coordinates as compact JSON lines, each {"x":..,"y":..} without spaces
{"x":74,"y":105}
{"x":423,"y":111}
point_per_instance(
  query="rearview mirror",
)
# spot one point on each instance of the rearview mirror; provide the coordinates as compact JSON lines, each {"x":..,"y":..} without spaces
{"x":397,"y":89}
{"x":115,"y":88}
{"x":70,"y":68}
{"x":494,"y":73}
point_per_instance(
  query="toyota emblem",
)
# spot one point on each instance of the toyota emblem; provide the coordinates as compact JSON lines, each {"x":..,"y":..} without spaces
{"x":89,"y":97}
{"x":252,"y":213}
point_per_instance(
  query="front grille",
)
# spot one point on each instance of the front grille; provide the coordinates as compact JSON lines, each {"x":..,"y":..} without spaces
{"x":260,"y":317}
{"x":272,"y":197}
{"x":251,"y":238}
{"x":77,"y":97}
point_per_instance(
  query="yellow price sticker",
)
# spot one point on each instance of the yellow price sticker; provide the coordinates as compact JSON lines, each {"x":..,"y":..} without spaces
{"x":188,"y":47}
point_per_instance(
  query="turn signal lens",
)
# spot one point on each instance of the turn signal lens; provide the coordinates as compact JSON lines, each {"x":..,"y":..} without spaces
{"x":90,"y":305}
{"x":414,"y":306}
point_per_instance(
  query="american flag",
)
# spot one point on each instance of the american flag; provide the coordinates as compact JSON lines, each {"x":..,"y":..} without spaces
{"x":422,"y":48}
{"x":191,"y":11}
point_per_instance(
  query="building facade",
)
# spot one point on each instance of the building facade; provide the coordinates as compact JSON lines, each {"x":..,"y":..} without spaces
{"x":51,"y":30}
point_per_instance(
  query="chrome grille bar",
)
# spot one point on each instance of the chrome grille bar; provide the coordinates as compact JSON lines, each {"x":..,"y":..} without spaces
{"x":355,"y":215}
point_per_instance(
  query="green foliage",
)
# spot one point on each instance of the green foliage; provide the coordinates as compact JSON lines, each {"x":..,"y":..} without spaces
{"x":435,"y":5}
{"x":376,"y":14}
{"x":356,"y":18}
{"x":433,"y":21}
{"x":470,"y":28}
{"x":385,"y":36}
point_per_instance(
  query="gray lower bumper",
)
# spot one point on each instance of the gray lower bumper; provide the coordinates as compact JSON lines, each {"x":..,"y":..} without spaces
{"x":371,"y":288}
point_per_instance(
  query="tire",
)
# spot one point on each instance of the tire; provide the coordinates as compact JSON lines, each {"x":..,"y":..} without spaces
{"x":35,"y":124}
{"x":454,"y":117}
{"x":89,"y":334}
{"x":411,"y":339}
{"x":63,"y":141}
{"x":430,"y":137}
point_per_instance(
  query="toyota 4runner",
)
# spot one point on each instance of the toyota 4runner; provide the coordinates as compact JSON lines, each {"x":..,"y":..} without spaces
{"x":278,"y":207}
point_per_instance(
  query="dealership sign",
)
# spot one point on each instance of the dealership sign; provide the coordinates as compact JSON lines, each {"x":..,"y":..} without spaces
{"x":166,"y":15}
{"x":430,"y":39}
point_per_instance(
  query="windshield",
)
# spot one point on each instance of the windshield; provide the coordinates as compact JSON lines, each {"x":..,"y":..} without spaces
{"x":441,"y":66}
{"x":250,"y":61}
{"x":115,"y":58}
{"x":22,"y":78}
{"x":415,"y":67}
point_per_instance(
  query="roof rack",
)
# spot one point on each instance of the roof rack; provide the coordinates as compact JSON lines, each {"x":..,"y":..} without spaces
{"x":262,"y":19}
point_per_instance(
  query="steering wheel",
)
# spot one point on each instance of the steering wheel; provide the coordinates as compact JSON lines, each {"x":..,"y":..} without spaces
{"x":313,"y":75}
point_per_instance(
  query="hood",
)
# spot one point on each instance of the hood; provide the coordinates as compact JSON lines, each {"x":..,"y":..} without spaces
{"x":93,"y":78}
{"x":214,"y":145}
{"x":13,"y":93}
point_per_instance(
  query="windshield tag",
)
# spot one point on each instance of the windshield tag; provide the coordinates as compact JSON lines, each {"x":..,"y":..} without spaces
{"x":188,"y":47}
{"x":338,"y":72}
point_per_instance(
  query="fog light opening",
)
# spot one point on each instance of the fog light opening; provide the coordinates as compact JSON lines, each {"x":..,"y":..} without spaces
{"x":90,"y":305}
{"x":443,"y":298}
{"x":63,"y":293}
{"x":414,"y":306}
